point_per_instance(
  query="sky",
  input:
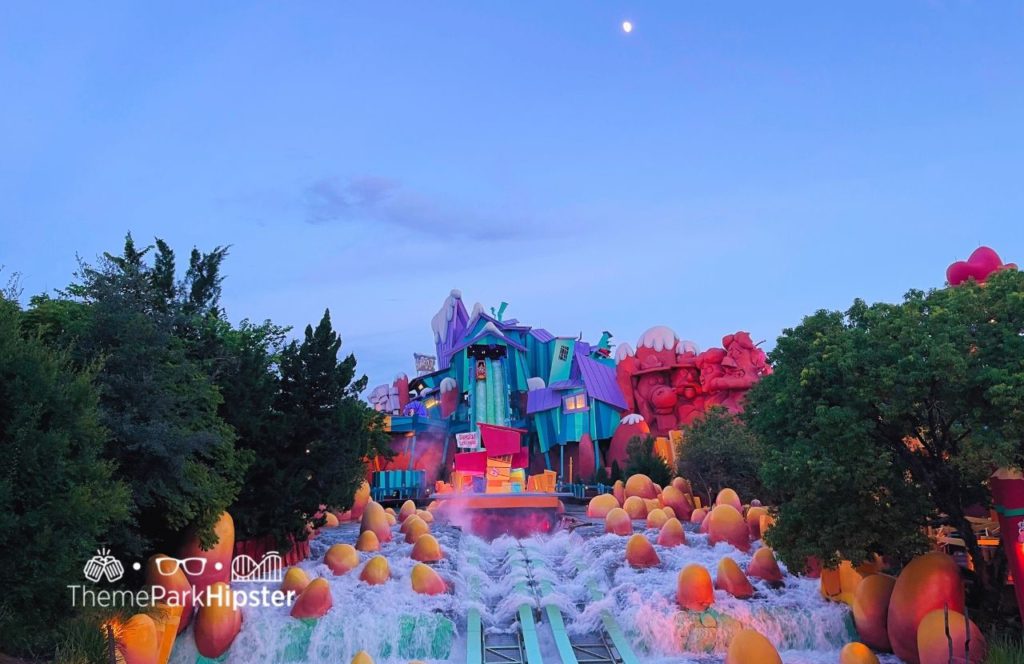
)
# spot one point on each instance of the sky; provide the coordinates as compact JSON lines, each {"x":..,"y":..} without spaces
{"x":723,"y":166}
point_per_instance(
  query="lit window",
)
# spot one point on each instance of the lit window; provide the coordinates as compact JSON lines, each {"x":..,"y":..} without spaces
{"x":563,"y":353}
{"x":574,"y":403}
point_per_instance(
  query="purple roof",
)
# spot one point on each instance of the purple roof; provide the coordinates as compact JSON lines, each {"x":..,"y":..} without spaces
{"x":600,"y":381}
{"x":541,"y":400}
{"x":567,"y":384}
{"x":486,"y":333}
{"x":541,"y":335}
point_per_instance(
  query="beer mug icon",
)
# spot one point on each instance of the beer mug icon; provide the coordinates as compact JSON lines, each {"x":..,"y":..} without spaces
{"x":103,"y":565}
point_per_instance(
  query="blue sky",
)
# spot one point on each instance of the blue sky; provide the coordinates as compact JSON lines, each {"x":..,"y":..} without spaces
{"x":722,"y":167}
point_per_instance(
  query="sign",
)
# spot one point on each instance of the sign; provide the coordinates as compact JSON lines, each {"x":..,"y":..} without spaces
{"x":425,"y":363}
{"x":466,"y":441}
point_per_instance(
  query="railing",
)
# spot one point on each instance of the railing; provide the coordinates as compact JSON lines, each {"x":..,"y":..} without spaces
{"x":398,"y":484}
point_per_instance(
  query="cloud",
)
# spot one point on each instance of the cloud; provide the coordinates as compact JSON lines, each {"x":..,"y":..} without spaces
{"x":386,"y":201}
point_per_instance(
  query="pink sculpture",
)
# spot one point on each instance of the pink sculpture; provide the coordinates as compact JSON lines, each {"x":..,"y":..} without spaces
{"x":668,"y":384}
{"x":981,"y":263}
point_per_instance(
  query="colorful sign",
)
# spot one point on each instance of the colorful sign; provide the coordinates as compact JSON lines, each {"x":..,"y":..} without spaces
{"x":466,"y":441}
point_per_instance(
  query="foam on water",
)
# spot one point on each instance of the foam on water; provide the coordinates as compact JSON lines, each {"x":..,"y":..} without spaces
{"x":395,"y":624}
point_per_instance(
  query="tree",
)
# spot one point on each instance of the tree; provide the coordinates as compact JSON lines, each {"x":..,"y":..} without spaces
{"x":719,"y":451}
{"x":642,"y":459}
{"x":58,"y":496}
{"x":889,"y":415}
{"x":157,"y":400}
{"x":325,"y":434}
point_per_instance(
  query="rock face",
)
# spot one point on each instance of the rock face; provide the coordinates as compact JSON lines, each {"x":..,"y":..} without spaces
{"x":732,"y":580}
{"x":218,"y":621}
{"x":314,"y":601}
{"x":871,"y":610}
{"x":726,"y":524}
{"x":295,"y":580}
{"x":933,"y":645}
{"x":640,"y":553}
{"x":694,"y":590}
{"x":750,"y":647}
{"x":929,"y":582}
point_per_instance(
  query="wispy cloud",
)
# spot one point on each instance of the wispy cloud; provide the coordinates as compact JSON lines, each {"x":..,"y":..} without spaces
{"x":387,"y":201}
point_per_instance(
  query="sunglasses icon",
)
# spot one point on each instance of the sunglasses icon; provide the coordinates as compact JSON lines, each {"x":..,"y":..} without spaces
{"x":167,"y":566}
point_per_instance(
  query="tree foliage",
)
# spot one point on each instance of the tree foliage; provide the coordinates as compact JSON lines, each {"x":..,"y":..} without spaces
{"x":58,"y":497}
{"x":884,"y":417}
{"x":642,"y":459}
{"x":719,"y":451}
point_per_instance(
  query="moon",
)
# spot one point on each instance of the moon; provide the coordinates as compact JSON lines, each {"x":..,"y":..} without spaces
{"x":627,"y":26}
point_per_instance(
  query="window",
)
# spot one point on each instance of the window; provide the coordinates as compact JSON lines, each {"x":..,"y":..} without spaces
{"x":563,"y":353}
{"x":574,"y":403}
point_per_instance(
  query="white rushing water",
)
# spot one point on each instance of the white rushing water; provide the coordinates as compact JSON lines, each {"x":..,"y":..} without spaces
{"x":395,"y":624}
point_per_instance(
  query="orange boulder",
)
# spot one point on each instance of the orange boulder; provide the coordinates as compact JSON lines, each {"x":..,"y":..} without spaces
{"x":641,"y":486}
{"x":674,"y":498}
{"x":635,"y":507}
{"x":619,"y":491}
{"x":681,"y":485}
{"x":362,"y":657}
{"x":929,"y":582}
{"x":295,"y":580}
{"x":361,"y":500}
{"x":376,"y":571}
{"x":330,"y":520}
{"x":732,"y":580}
{"x":726,"y":524}
{"x":218,"y":621}
{"x":376,"y":519}
{"x":618,"y":522}
{"x":729,"y":497}
{"x":341,"y":558}
{"x":600,"y":505}
{"x":221,"y":553}
{"x":754,"y":515}
{"x":175,"y":585}
{"x":764,"y":566}
{"x":750,"y":647}
{"x":694,"y":590}
{"x":672,"y":533}
{"x":314,"y":601}
{"x":367,"y":541}
{"x":426,"y":549}
{"x":640,"y":553}
{"x":669,"y":512}
{"x":857,"y":653}
{"x":408,"y":509}
{"x":656,"y":518}
{"x":871,"y":610}
{"x":426,"y":581}
{"x":697,"y":516}
{"x":933,"y":645}
{"x":416,"y":528}
{"x":137,"y":640}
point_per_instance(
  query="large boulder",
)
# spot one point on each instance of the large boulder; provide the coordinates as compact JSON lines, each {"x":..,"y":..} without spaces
{"x":295,"y":580}
{"x":137,"y":640}
{"x":426,"y":581}
{"x":732,"y":580}
{"x":218,"y":621}
{"x":314,"y":601}
{"x":726,"y":524}
{"x":175,"y":585}
{"x":361,"y":500}
{"x":672,"y":534}
{"x":618,"y":522}
{"x":729,"y":497}
{"x":218,"y":557}
{"x":754,"y":515}
{"x":376,"y":519}
{"x":750,"y":647}
{"x":698,"y":515}
{"x":694,"y":590}
{"x":367,"y":542}
{"x":656,"y":518}
{"x":857,"y":653}
{"x":635,"y":507}
{"x":929,"y":582}
{"x":676,"y":499}
{"x":376,"y":571}
{"x":417,"y":527}
{"x":619,"y":491}
{"x":600,"y":505}
{"x":640,"y":553}
{"x":871,"y":610}
{"x":341,"y":558}
{"x":764,"y":566}
{"x":408,"y":509}
{"x":426,"y":549}
{"x":933,"y":646}
{"x":641,"y":486}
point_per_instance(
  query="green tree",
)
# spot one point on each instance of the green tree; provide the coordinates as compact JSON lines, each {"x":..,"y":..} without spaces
{"x":881,"y":418}
{"x":719,"y":451}
{"x":325,"y":434}
{"x":58,"y":496}
{"x":641,"y":458}
{"x":157,"y":399}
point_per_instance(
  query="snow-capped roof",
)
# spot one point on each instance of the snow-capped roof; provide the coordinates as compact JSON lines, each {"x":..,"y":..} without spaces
{"x":686,"y":346}
{"x":535,"y":383}
{"x":632,"y":418}
{"x":439,"y":323}
{"x":448,"y":384}
{"x":622,"y":351}
{"x":401,"y":376}
{"x":658,"y":338}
